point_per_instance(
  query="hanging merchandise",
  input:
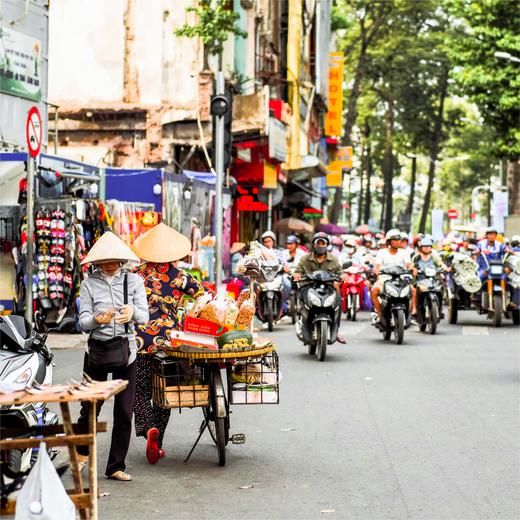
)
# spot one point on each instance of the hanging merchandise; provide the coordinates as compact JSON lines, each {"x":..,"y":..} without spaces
{"x":65,"y":230}
{"x":131,"y":219}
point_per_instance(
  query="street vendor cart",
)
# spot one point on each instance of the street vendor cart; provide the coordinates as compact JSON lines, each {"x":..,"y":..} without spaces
{"x":191,"y":377}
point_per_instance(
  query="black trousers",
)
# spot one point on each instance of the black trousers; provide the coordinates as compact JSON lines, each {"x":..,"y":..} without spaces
{"x":123,"y":410}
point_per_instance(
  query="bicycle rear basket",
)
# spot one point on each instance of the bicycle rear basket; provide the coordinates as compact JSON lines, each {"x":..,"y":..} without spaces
{"x":255,"y":380}
{"x":177,"y":385}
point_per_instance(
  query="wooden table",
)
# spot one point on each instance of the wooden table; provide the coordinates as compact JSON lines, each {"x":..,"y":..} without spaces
{"x":67,"y":434}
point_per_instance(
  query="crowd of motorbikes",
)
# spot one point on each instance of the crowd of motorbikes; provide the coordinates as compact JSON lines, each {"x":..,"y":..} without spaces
{"x":316,"y":307}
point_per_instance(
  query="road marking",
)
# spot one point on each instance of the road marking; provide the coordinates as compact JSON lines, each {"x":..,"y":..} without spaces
{"x":471,"y":330}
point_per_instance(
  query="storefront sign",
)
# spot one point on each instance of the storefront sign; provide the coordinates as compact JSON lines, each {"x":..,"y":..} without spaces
{"x":20,"y":57}
{"x":343,"y":159}
{"x":278,"y":140}
{"x":270,"y":180}
{"x":333,"y":121}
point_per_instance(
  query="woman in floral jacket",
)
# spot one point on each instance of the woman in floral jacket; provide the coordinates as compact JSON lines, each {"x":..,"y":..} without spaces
{"x":161,"y":248}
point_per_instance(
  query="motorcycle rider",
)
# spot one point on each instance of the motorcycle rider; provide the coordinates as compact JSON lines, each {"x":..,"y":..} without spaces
{"x":350,"y":252}
{"x":405,"y":245}
{"x":268,"y":240}
{"x":320,"y":259}
{"x":293,"y":254}
{"x":392,"y":255}
{"x":424,"y":259}
{"x":492,"y":249}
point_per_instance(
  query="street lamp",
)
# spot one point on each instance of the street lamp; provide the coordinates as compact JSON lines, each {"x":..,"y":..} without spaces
{"x":506,"y":56}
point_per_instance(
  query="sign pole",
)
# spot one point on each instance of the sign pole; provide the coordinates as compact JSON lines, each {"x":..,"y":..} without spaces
{"x":219,"y":180}
{"x":30,"y":244}
{"x":33,"y":134}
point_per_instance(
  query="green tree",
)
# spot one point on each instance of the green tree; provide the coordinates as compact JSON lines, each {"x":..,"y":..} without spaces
{"x":215,"y":22}
{"x":487,"y":27}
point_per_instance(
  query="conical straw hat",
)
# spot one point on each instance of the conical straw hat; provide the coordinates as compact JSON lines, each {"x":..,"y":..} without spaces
{"x":109,"y":247}
{"x":161,"y":244}
{"x":236,"y":247}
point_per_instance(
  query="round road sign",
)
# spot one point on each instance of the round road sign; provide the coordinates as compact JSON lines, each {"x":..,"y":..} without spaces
{"x":33,"y":131}
{"x":453,"y":213}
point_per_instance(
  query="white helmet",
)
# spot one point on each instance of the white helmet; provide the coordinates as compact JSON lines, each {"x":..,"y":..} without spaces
{"x":350,"y":242}
{"x":393,"y":234}
{"x":268,"y":234}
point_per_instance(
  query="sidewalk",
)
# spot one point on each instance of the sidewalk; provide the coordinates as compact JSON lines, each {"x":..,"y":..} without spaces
{"x":66,"y":341}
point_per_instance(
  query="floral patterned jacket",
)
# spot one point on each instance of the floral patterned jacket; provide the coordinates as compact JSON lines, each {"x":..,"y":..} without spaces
{"x":165,"y":286}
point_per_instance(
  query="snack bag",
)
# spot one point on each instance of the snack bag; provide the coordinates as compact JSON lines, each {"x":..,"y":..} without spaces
{"x":242,"y":297}
{"x":200,"y":303}
{"x":246,"y":314}
{"x":231,"y":313}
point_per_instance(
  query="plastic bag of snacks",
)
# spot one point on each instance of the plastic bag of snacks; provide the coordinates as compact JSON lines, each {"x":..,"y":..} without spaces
{"x":260,"y":263}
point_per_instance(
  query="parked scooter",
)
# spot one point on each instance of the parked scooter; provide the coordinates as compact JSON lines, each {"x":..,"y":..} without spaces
{"x":25,"y":360}
{"x":395,"y":302}
{"x":320,"y":314}
{"x":429,"y":299}
{"x":352,"y":289}
{"x":269,"y":301}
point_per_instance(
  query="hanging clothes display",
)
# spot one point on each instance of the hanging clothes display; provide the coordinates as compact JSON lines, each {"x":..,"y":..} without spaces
{"x":131,"y":219}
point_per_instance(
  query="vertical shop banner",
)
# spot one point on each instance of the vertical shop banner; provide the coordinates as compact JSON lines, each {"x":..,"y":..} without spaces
{"x":342,"y":159}
{"x":333,"y":120}
{"x":270,"y":176}
{"x":437,"y":224}
{"x":500,"y":209}
{"x":20,"y":57}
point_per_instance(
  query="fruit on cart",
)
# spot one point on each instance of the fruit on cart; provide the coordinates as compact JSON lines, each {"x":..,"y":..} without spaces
{"x":235,"y":339}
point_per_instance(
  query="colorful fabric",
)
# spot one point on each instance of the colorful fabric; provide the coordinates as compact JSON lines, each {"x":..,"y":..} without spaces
{"x":165,"y":287}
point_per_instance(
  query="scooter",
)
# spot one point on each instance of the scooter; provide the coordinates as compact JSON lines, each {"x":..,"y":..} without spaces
{"x":429,"y":299}
{"x":395,"y":302}
{"x":25,"y":360}
{"x":269,"y":301}
{"x":320,"y":315}
{"x":352,"y":290}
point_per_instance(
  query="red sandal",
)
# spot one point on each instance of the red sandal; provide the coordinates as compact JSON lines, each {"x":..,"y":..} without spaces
{"x":152,"y":445}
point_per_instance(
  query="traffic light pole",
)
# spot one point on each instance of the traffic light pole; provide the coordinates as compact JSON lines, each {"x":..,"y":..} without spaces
{"x":219,"y":181}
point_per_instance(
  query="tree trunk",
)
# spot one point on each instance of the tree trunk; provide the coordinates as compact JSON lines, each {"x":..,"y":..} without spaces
{"x":130,"y":73}
{"x":409,"y":205}
{"x":388,"y":164}
{"x":368,"y":167}
{"x":513,"y":186}
{"x":360,"y":194}
{"x":434,"y":151}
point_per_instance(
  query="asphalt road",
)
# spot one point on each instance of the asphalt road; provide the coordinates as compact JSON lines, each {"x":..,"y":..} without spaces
{"x":428,"y":429}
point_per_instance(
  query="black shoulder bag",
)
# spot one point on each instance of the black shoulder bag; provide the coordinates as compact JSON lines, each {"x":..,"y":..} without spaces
{"x":114,"y":353}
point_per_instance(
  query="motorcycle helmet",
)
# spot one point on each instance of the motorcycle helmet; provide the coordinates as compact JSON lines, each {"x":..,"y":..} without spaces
{"x":426,"y":242}
{"x":404,"y":236}
{"x":515,"y":240}
{"x":320,"y":250}
{"x":350,"y":242}
{"x":393,"y":234}
{"x":491,"y":229}
{"x":416,"y":239}
{"x":292,"y":239}
{"x":268,"y":234}
{"x":367,"y":239}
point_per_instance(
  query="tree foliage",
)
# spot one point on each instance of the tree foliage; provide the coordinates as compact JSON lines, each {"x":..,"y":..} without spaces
{"x":215,"y":22}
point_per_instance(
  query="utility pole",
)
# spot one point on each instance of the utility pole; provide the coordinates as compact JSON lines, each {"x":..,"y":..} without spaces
{"x":30,"y":245}
{"x":219,"y":106}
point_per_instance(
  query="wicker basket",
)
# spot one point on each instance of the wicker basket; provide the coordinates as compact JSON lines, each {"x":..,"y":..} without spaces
{"x":171,"y":390}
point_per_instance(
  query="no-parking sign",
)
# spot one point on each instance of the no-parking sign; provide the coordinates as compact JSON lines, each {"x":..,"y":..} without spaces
{"x":33,"y":131}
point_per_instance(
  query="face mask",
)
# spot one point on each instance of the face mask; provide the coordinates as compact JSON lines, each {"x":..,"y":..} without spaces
{"x":320,"y":250}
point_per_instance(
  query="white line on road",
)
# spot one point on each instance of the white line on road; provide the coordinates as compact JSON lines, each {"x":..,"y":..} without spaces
{"x":470,"y":330}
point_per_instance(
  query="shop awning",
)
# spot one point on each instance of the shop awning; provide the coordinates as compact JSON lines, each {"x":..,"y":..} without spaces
{"x":309,"y":167}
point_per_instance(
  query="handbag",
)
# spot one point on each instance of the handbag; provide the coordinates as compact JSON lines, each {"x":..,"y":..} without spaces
{"x":112,"y":354}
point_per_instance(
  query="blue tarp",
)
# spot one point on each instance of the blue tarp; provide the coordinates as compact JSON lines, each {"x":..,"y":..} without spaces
{"x":207,"y":177}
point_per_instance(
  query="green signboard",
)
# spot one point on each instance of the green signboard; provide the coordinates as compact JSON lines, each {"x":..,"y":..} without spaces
{"x":20,"y":58}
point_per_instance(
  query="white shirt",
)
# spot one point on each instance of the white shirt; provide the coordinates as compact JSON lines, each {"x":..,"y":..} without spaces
{"x":297,"y":257}
{"x":385,"y":259}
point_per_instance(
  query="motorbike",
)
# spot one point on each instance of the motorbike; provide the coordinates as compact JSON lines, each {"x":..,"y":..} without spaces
{"x":320,"y":312}
{"x":25,"y":360}
{"x":352,"y":290}
{"x":395,"y":302}
{"x":512,"y":270}
{"x":429,"y":299}
{"x":269,"y":301}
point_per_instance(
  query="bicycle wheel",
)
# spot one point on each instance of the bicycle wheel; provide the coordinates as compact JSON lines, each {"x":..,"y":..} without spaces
{"x":221,"y":424}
